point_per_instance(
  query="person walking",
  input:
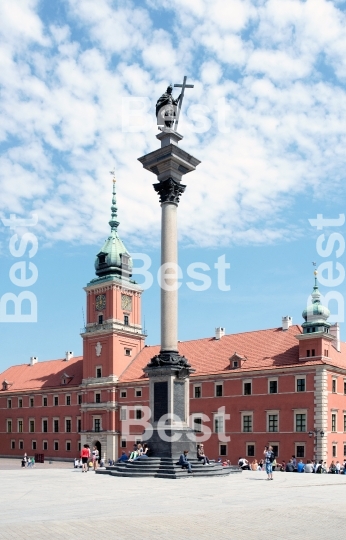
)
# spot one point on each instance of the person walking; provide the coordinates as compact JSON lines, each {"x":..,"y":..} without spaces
{"x":85,"y":455}
{"x":269,"y":458}
{"x":95,"y":457}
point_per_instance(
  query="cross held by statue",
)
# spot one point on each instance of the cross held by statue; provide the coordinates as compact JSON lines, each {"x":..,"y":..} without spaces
{"x":182,"y":86}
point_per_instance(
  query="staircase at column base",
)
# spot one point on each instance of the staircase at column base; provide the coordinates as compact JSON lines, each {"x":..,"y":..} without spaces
{"x":166,"y":468}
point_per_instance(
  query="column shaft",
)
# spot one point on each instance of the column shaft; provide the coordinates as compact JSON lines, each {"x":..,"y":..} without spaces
{"x":169,"y":285}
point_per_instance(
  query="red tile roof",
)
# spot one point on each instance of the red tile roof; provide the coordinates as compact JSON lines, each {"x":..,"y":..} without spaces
{"x":263,"y":349}
{"x":44,"y":374}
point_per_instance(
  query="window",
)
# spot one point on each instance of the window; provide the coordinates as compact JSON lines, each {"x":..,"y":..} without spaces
{"x":273,"y":387}
{"x":273,"y":422}
{"x":44,"y":426}
{"x":68,"y":425}
{"x":218,"y":390}
{"x":32,"y":426}
{"x":21,"y":445}
{"x":301,"y":385}
{"x":223,"y":449}
{"x":13,"y":445}
{"x":138,"y":392}
{"x":97,"y":424}
{"x":79,"y":446}
{"x":308,"y":353}
{"x":300,"y":450}
{"x":247,"y":422}
{"x":127,"y":352}
{"x":300,"y":422}
{"x":100,"y":319}
{"x":9,"y":403}
{"x":334,"y":450}
{"x":20,"y":403}
{"x":79,"y":425}
{"x":33,"y":445}
{"x":326,"y":352}
{"x":68,"y":400}
{"x":45,"y":445}
{"x":20,"y":426}
{"x":197,"y":391}
{"x":123,"y":393}
{"x":56,"y":426}
{"x":56,"y":401}
{"x":275,"y":449}
{"x":139,"y":414}
{"x":98,"y":373}
{"x":344,"y":422}
{"x":123,"y":414}
{"x":97,"y":398}
{"x":79,"y":399}
{"x":9,"y":426}
{"x":31,"y":402}
{"x":250,"y":450}
{"x":44,"y":401}
{"x":334,"y":386}
{"x":345,"y":387}
{"x":123,"y":443}
{"x":197,"y":424}
{"x":218,"y":424}
{"x":68,"y":446}
{"x":333,"y":422}
{"x":126,"y":320}
{"x":312,"y":352}
{"x":56,"y":445}
{"x":235,"y":363}
{"x":345,"y":450}
{"x":247,"y":389}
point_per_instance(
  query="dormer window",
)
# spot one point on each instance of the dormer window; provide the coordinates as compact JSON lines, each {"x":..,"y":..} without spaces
{"x":102,"y":258}
{"x":236,"y":361}
{"x":5,"y":385}
{"x":66,"y":379}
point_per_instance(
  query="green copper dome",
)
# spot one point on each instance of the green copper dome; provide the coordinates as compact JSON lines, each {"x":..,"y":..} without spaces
{"x":316,"y":314}
{"x":113,"y":259}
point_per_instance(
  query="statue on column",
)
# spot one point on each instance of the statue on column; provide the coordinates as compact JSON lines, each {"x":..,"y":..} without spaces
{"x":166,"y":109}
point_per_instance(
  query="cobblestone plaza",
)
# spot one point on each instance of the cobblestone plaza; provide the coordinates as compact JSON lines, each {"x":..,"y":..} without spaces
{"x":56,"y":501}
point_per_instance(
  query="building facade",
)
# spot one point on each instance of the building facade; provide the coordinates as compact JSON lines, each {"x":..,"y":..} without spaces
{"x":285,"y":386}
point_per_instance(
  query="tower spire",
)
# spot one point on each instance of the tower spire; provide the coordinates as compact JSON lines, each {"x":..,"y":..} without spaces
{"x":114,"y":223}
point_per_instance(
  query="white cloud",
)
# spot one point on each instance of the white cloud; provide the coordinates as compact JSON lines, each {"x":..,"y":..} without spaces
{"x":61,"y":108}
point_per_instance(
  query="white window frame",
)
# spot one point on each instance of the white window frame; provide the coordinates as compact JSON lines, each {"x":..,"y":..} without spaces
{"x":54,"y":443}
{"x":45,"y":419}
{"x":21,"y":444}
{"x":123,"y":414}
{"x":125,"y":392}
{"x":223,"y":444}
{"x":247,"y":381}
{"x":68,"y":396}
{"x":139,"y":389}
{"x":218,"y":416}
{"x":200,"y":387}
{"x":220,"y":383}
{"x":13,"y":444}
{"x":296,"y":383}
{"x":246,"y":413}
{"x":97,"y":392}
{"x":300,"y":411}
{"x":200,"y":417}
{"x":31,"y":420}
{"x":20,"y":420}
{"x":65,"y":420}
{"x":43,"y":398}
{"x":77,"y":419}
{"x":55,"y":396}
{"x":9,"y":400}
{"x":9,"y":420}
{"x":336,"y":385}
{"x":58,"y":419}
{"x":247,"y":444}
{"x":335,"y":445}
{"x":43,"y":448}
{"x":336,"y":422}
{"x":296,"y":444}
{"x":123,"y":440}
{"x":96,"y":368}
{"x":32,"y":444}
{"x":273,"y":379}
{"x":97,"y":417}
{"x":271,"y":413}
{"x":138,"y":409}
{"x":275,"y":443}
{"x":66,"y":443}
{"x":129,"y":350}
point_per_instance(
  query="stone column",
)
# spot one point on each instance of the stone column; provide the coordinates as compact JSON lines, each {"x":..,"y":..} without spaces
{"x":169,"y":372}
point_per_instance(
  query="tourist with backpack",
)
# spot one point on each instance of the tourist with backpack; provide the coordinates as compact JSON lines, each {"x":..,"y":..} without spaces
{"x":269,"y":458}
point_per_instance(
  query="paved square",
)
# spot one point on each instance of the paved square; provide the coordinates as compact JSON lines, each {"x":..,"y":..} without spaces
{"x":56,"y":501}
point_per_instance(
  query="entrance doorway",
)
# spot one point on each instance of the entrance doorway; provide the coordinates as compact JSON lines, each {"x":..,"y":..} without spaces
{"x":98,"y":446}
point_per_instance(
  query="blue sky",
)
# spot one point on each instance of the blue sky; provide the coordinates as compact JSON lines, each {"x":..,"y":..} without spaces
{"x":267,"y":118}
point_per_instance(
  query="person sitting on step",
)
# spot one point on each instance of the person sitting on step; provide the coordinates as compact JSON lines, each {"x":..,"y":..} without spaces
{"x":134,"y":453}
{"x":184,"y":462}
{"x":201,"y":455}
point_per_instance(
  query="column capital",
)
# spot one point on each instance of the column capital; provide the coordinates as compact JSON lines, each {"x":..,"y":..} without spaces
{"x":169,"y":190}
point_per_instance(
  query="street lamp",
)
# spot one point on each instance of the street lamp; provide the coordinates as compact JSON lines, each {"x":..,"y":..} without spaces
{"x":316,"y":433}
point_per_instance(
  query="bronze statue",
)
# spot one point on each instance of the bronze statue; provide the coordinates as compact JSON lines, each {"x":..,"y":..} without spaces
{"x":166,"y":109}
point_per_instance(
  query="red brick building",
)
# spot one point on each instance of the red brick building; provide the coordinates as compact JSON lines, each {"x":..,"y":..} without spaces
{"x":250,"y":389}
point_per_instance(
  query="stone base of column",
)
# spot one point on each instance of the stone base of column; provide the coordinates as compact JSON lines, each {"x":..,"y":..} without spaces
{"x":172,"y":448}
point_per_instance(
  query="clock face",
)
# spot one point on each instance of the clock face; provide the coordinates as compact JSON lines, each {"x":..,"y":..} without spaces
{"x":126,"y":302}
{"x":100,"y":302}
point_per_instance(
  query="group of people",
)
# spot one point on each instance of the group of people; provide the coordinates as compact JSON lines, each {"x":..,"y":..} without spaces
{"x":28,"y":462}
{"x":270,"y":464}
{"x":86,"y":456}
{"x":139,"y":452}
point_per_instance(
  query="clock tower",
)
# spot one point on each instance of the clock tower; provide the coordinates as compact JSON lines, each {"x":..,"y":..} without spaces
{"x":112,"y":337}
